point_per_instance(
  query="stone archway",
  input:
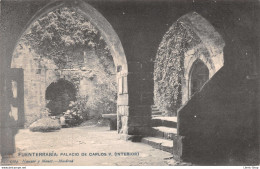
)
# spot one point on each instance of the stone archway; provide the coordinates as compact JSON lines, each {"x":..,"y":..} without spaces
{"x":107,"y":32}
{"x":189,"y":39}
{"x":209,"y":51}
{"x":199,"y":74}
{"x":95,"y":18}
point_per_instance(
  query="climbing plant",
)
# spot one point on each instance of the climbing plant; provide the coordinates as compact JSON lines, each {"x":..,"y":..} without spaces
{"x":61,"y":31}
{"x":63,"y":36}
{"x":169,"y":66}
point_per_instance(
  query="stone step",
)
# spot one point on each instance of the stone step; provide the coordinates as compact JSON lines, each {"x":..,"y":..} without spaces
{"x":158,"y":143}
{"x":156,"y":112}
{"x":164,"y":121}
{"x":153,"y":106}
{"x":155,"y":109}
{"x":164,"y":132}
{"x":156,"y":115}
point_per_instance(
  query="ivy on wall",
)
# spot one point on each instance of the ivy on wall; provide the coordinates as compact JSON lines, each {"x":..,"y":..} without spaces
{"x":64,"y":43}
{"x":61,"y":32}
{"x":169,"y":66}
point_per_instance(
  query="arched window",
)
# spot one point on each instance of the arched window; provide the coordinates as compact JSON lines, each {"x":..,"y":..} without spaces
{"x":199,"y":74}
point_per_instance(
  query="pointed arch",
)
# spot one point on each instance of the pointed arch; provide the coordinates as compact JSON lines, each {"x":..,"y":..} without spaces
{"x":209,"y":51}
{"x":95,"y":18}
{"x":205,"y":31}
{"x":106,"y":30}
{"x":190,"y":39}
{"x":199,"y":74}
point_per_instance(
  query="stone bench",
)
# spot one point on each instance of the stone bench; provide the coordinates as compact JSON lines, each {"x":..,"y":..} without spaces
{"x":112,"y":119}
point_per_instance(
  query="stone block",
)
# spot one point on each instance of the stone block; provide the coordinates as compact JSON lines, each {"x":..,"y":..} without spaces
{"x":178,"y":147}
{"x":123,"y":110}
{"x":119,"y":123}
{"x":120,"y":85}
{"x":122,"y":99}
{"x":125,"y":85}
{"x":124,"y":130}
{"x":124,"y":120}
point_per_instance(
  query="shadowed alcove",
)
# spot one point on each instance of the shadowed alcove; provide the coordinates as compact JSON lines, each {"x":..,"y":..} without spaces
{"x":198,"y":76}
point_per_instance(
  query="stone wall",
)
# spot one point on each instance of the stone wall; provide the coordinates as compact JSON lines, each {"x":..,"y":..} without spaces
{"x":36,"y":80}
{"x":218,"y":123}
{"x":191,"y":38}
{"x":213,"y":63}
{"x":38,"y":75}
{"x":135,"y":97}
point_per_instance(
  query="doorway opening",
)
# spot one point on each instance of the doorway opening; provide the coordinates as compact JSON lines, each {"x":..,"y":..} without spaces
{"x":190,"y":53}
{"x":198,"y":76}
{"x":69,"y":62}
{"x":59,"y":95}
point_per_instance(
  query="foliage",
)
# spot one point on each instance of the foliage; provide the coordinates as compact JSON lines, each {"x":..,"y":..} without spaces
{"x":76,"y":113}
{"x":101,"y":89}
{"x":61,"y":31}
{"x":169,"y":66}
{"x":45,"y":124}
{"x":62,"y":36}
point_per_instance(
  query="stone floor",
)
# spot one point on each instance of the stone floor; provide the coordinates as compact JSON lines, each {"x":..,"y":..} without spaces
{"x":96,"y":146}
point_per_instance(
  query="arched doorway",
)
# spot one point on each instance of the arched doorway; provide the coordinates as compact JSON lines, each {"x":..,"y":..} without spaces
{"x":106,"y":32}
{"x":59,"y":95}
{"x":199,"y":74}
{"x":191,"y":44}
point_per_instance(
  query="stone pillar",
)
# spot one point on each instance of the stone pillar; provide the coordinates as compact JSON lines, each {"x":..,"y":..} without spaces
{"x":10,"y":126}
{"x":135,"y":98}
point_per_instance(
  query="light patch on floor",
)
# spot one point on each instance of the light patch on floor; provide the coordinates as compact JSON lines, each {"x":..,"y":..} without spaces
{"x":96,"y":146}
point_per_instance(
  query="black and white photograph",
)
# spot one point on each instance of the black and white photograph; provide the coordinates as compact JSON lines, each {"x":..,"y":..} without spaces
{"x":129,"y":83}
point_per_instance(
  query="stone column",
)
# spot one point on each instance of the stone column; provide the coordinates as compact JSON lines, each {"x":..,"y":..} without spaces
{"x":135,"y":98}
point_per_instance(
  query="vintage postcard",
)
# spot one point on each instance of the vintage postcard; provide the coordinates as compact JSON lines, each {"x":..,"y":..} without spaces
{"x":129,"y":83}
